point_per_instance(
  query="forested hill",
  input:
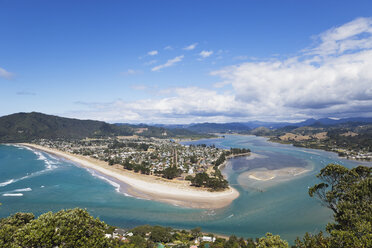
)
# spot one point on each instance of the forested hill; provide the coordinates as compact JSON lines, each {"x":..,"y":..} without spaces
{"x":23,"y":127}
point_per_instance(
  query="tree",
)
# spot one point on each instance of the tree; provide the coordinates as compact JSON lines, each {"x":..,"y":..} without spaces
{"x":348,"y":193}
{"x":232,"y":242}
{"x":171,"y":172}
{"x":196,"y":232}
{"x":160,"y":234}
{"x":313,"y":241}
{"x":200,"y":179}
{"x":70,"y":228}
{"x":10,"y":225}
{"x":272,"y":241}
{"x":138,"y":241}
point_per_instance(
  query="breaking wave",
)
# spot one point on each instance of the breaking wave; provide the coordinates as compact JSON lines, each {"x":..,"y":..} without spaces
{"x":6,"y":183}
{"x":15,"y":194}
{"x":116,"y":185}
{"x":49,"y":165}
{"x":22,"y":190}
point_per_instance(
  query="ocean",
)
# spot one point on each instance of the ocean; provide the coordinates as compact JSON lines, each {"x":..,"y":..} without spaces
{"x":37,"y":182}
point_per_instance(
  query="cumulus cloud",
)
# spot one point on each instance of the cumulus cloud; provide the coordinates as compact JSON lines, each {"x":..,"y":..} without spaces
{"x":152,"y":53}
{"x":205,"y":54}
{"x":169,"y":63}
{"x":5,"y":74}
{"x":190,"y":47}
{"x":184,"y":105}
{"x":333,"y":77}
{"x":330,"y":79}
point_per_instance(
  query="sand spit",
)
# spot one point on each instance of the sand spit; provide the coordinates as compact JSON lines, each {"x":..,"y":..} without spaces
{"x":175,"y":192}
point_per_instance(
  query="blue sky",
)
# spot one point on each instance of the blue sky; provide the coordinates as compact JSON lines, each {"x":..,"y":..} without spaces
{"x":186,"y":61}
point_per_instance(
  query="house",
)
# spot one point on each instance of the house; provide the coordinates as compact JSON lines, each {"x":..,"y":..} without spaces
{"x":208,"y":239}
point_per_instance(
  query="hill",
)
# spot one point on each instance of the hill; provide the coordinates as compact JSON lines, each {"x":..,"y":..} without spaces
{"x":27,"y":126}
{"x":22,"y":127}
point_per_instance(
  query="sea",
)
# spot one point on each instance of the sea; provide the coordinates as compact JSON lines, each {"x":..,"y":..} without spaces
{"x":37,"y":182}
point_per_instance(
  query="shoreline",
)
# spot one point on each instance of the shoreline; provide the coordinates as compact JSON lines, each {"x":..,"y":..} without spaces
{"x":223,"y":165}
{"x":148,"y":187}
{"x":287,"y":142}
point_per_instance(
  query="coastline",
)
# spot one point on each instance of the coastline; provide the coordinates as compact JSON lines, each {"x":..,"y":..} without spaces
{"x":221,"y":166}
{"x":149,"y":187}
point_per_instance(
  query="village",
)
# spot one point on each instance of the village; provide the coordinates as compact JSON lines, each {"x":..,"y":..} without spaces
{"x":151,"y":156}
{"x":163,"y":237}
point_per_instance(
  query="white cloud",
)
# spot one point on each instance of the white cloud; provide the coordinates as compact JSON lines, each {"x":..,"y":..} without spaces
{"x":205,"y":54}
{"x":168,"y":48}
{"x":132,"y":72}
{"x":185,"y":105}
{"x":332,"y":78}
{"x":190,"y":47}
{"x":169,"y":63}
{"x":329,"y":79}
{"x":5,"y":74}
{"x":351,"y":36}
{"x":152,"y":53}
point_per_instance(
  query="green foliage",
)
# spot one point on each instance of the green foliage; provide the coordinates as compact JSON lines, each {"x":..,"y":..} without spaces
{"x":28,"y":126}
{"x":139,"y":146}
{"x":219,"y":243}
{"x":141,"y":230}
{"x":220,"y":160}
{"x":196,"y":232}
{"x":272,"y":241}
{"x":10,"y":225}
{"x":171,"y":172}
{"x":160,"y":234}
{"x":313,"y":241}
{"x":70,"y":228}
{"x":138,"y":241}
{"x":348,"y":193}
{"x":239,"y":150}
{"x":204,"y":180}
{"x":232,"y":242}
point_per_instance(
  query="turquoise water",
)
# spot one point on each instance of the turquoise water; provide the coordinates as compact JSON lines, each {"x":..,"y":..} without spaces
{"x":32,"y":181}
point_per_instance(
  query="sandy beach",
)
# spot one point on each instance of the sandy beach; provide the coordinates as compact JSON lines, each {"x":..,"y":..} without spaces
{"x":264,"y":174}
{"x":175,"y":192}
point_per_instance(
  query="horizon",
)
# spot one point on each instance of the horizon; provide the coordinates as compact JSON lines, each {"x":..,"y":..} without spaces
{"x":196,"y":123}
{"x":182,"y":63}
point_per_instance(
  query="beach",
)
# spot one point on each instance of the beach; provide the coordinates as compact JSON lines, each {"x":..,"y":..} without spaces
{"x":176,"y":192}
{"x":262,"y":178}
{"x":283,"y":174}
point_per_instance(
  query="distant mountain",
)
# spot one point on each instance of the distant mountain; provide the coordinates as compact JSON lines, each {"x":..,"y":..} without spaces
{"x":218,"y":127}
{"x":329,"y":121}
{"x":257,"y":126}
{"x":23,"y":127}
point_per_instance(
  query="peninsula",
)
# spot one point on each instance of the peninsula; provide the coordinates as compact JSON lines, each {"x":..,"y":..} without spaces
{"x":153,"y":169}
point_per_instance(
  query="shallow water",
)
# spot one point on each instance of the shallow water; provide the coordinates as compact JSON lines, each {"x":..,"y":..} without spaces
{"x":32,"y":181}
